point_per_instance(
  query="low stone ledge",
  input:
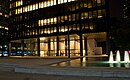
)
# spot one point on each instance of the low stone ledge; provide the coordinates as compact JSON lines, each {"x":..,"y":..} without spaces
{"x":76,"y":72}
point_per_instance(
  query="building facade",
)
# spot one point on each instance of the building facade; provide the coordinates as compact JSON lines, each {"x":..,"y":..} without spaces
{"x":58,"y":27}
{"x":4,"y":11}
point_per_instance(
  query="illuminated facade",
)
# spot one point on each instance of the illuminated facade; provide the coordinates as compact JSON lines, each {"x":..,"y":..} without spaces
{"x":4,"y":11}
{"x":58,"y":27}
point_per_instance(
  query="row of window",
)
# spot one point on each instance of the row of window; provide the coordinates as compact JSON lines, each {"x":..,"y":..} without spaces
{"x":41,"y":4}
{"x":2,"y":27}
{"x":61,"y":19}
{"x":73,"y":17}
{"x":49,"y":3}
{"x":36,"y":6}
{"x":89,"y":26}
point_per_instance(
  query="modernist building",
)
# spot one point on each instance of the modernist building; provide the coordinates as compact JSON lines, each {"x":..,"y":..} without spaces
{"x":58,"y":27}
{"x":4,"y":11}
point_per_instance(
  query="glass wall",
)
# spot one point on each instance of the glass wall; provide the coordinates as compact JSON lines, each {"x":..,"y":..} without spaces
{"x":48,"y":46}
{"x":27,"y":47}
{"x":60,"y":45}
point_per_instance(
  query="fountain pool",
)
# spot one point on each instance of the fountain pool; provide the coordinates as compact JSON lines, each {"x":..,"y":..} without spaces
{"x":98,"y":61}
{"x":91,"y":62}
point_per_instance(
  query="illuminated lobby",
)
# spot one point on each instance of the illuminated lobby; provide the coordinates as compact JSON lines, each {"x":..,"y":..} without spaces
{"x":58,"y":27}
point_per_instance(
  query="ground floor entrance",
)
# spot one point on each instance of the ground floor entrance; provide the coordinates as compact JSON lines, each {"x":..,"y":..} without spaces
{"x":64,"y":45}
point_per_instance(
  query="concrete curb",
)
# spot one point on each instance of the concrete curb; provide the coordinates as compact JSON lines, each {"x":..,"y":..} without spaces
{"x":8,"y":67}
{"x":96,"y":72}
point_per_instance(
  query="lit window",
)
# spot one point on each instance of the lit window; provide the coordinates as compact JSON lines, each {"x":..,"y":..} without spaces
{"x":45,"y":21}
{"x":62,"y":1}
{"x":44,"y":4}
{"x":31,"y":8}
{"x":10,"y":6}
{"x":40,"y":22}
{"x":25,"y":9}
{"x":103,"y":2}
{"x":19,"y":10}
{"x":51,"y":3}
{"x":58,"y":1}
{"x":54,"y":2}
{"x":55,"y":20}
{"x":10,"y":14}
{"x":84,"y":15}
{"x":99,"y":14}
{"x":91,"y":26}
{"x":90,"y":15}
{"x":85,"y":5}
{"x":41,"y":5}
{"x":6,"y":28}
{"x":47,"y":3}
{"x":98,"y":1}
{"x":51,"y":20}
{"x":0,"y":13}
{"x":89,"y":5}
{"x":36,"y":6}
{"x":6,"y":15}
{"x":19,"y":3}
{"x":65,"y":1}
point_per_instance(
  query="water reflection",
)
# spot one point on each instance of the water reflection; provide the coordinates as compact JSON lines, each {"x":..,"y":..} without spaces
{"x":92,"y":62}
{"x":127,"y":65}
{"x":111,"y":64}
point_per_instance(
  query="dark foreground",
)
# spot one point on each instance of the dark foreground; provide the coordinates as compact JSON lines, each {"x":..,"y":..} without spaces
{"x":8,"y":75}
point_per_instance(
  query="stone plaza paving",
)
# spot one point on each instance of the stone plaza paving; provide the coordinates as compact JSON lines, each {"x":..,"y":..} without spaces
{"x":39,"y":69}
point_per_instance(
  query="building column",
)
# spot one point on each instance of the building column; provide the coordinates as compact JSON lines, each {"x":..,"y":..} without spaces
{"x":22,"y":47}
{"x":68,"y":46}
{"x":65,"y":46}
{"x":9,"y":49}
{"x":107,"y":27}
{"x":85,"y":46}
{"x":38,"y":46}
{"x":81,"y":45}
{"x":57,"y":54}
{"x":48,"y":47}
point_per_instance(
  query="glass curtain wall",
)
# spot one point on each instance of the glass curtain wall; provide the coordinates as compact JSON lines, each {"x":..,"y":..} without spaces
{"x":48,"y":46}
{"x":26,"y":47}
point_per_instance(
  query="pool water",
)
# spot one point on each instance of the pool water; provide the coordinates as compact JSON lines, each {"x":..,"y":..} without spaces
{"x":91,"y":62}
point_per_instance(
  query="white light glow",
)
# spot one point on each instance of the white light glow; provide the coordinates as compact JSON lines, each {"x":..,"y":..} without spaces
{"x":111,"y":60}
{"x":126,"y":56}
{"x":118,"y":59}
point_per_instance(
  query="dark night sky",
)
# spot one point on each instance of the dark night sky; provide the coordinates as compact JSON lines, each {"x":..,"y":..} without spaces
{"x":116,"y":8}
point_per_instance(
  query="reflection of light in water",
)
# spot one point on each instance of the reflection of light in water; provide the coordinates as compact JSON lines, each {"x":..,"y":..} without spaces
{"x":84,"y":59}
{"x":84,"y":62}
{"x":118,"y":59}
{"x":68,"y":63}
{"x":118,"y":64}
{"x":111,"y":60}
{"x":126,"y":65}
{"x":126,"y":56}
{"x":111,"y":65}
